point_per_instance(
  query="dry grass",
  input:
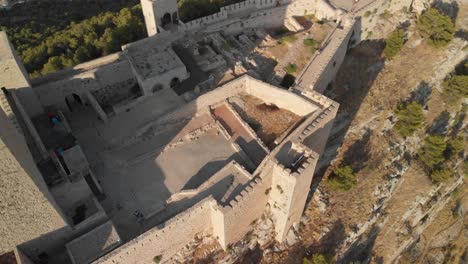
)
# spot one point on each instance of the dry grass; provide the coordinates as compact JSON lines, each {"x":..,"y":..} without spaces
{"x":268,"y":121}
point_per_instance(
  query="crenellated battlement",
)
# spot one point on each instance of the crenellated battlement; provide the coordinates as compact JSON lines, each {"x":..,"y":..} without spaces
{"x":323,"y":118}
{"x":244,"y":196}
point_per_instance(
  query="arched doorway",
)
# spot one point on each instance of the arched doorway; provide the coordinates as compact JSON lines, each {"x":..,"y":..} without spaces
{"x":166,"y":19}
{"x":174,"y":82}
{"x":73,"y":101}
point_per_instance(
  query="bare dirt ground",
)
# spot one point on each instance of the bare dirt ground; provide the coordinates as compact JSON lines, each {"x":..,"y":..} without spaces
{"x":268,"y":121}
{"x":446,"y":235}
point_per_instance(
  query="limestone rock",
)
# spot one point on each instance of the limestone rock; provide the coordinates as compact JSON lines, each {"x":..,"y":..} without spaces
{"x":418,"y":6}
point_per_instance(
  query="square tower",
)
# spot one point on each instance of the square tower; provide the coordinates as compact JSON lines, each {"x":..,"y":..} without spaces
{"x":159,"y":14}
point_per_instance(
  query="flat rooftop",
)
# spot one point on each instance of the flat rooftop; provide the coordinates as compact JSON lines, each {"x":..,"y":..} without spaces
{"x":150,"y":58}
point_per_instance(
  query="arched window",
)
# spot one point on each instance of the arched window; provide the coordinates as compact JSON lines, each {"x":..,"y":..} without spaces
{"x":174,"y":82}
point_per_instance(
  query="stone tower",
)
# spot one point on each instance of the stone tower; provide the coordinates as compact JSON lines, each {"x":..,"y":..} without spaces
{"x":159,"y":15}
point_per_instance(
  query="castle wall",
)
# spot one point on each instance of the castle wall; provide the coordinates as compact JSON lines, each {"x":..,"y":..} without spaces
{"x":235,"y":220}
{"x":166,"y":239}
{"x":32,"y":211}
{"x":316,"y":134}
{"x":323,"y":66}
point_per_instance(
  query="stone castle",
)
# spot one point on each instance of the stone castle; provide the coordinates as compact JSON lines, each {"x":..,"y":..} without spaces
{"x":129,"y":157}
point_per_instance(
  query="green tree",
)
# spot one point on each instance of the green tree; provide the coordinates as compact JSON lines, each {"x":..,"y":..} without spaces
{"x":52,"y":65}
{"x":455,"y":89}
{"x":455,"y":146}
{"x":410,"y":118}
{"x":436,"y":27}
{"x":442,"y":175}
{"x":343,"y":178}
{"x":432,"y":151}
{"x":394,"y":43}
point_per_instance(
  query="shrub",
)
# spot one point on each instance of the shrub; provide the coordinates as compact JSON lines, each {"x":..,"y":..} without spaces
{"x":157,"y":259}
{"x":317,"y":259}
{"x":368,"y":13}
{"x":456,"y":145}
{"x":312,"y":44}
{"x":394,"y":43}
{"x":432,"y":151}
{"x":410,"y":118}
{"x":343,"y":178}
{"x":279,"y":188}
{"x":290,"y":68}
{"x":455,"y":89}
{"x":386,"y":15}
{"x":288,"y":39}
{"x":436,"y":27}
{"x":442,"y":175}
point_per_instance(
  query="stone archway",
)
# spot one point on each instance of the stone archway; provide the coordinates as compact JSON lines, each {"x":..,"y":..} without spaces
{"x":73,"y":101}
{"x":166,"y":19}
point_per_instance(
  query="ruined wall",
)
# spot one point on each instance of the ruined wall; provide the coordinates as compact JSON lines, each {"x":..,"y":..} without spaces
{"x":166,"y":239}
{"x":279,"y":97}
{"x":27,"y":208}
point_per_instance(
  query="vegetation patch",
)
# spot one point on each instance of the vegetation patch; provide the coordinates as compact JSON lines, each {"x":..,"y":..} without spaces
{"x":312,"y":44}
{"x":410,"y":118}
{"x":89,"y":39}
{"x":442,"y":175}
{"x":157,"y":259}
{"x":290,"y":68}
{"x":394,"y":43}
{"x":287,"y":39}
{"x":432,"y":151}
{"x":437,"y":28}
{"x":455,"y":89}
{"x":343,"y":178}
